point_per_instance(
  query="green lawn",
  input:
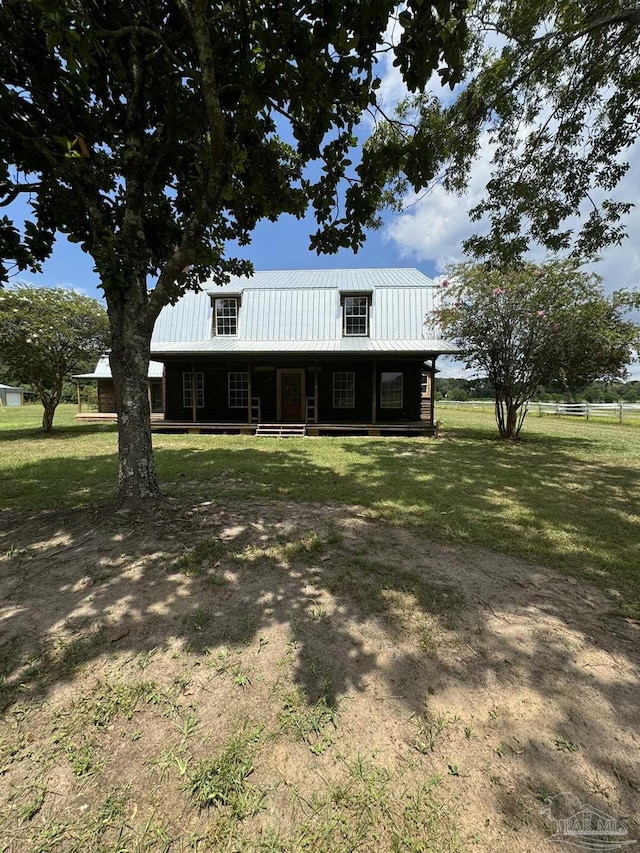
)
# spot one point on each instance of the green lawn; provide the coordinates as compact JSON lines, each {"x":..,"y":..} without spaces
{"x":568,"y":495}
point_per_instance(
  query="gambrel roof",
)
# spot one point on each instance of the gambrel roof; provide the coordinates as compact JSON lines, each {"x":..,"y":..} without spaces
{"x":300,"y":311}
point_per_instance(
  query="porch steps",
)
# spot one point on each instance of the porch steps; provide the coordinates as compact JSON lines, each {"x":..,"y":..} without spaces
{"x":281,"y":430}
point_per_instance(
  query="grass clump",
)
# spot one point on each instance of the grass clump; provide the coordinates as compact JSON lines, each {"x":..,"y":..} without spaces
{"x":223,"y":780}
{"x":122,"y":699}
{"x":308,"y":723}
{"x":283,"y":552}
{"x":200,"y":559}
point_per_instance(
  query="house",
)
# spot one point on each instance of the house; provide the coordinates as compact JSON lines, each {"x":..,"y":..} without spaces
{"x":106,"y":395}
{"x":11,"y":396}
{"x":302,"y":351}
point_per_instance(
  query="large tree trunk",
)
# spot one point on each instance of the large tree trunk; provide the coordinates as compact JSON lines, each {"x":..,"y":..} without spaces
{"x":131,"y":329}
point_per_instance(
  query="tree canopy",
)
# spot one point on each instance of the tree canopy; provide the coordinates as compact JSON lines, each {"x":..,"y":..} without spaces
{"x":157,"y":133}
{"x":45,"y":334}
{"x":535,"y":325}
{"x":552,"y":89}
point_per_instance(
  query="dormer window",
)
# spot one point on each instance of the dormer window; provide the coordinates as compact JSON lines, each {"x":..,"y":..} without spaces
{"x":355,"y":315}
{"x":225,"y":315}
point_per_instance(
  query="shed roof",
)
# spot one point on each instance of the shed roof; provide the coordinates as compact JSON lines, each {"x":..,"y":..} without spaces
{"x":10,"y":388}
{"x":300,"y":311}
{"x":103,"y":370}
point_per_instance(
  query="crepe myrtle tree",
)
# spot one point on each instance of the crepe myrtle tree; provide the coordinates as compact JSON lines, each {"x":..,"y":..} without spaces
{"x":45,"y":334}
{"x":152,"y":134}
{"x":533,"y":325}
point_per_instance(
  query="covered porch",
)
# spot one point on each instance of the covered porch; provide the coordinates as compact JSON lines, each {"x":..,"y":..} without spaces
{"x":390,"y":394}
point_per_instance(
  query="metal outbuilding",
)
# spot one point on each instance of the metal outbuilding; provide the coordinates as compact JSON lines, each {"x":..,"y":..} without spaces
{"x":11,"y":396}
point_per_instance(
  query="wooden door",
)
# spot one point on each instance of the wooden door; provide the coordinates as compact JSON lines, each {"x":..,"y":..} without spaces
{"x":291,"y":395}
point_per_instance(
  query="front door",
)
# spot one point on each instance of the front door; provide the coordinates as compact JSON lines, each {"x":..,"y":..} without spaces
{"x":291,"y":385}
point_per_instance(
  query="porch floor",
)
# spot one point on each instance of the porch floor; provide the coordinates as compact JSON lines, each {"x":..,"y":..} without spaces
{"x":161,"y":424}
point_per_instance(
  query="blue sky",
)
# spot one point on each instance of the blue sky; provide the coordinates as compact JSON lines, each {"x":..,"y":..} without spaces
{"x":276,"y":245}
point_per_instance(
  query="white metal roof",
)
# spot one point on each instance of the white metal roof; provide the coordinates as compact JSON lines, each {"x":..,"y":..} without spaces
{"x":9,"y":388}
{"x":103,"y":370}
{"x":300,"y":311}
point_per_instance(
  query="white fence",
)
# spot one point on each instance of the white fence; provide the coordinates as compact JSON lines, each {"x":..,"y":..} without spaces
{"x":615,"y":411}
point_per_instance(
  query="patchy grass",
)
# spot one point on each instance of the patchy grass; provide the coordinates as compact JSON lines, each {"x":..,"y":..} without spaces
{"x":223,"y":780}
{"x":566,"y":496}
{"x":347,"y":685}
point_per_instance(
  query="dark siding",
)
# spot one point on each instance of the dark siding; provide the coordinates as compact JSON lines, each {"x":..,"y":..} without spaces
{"x":175,"y":411}
{"x":411,"y":397}
{"x":264,"y":385}
{"x":363,"y":392}
{"x":106,"y":396}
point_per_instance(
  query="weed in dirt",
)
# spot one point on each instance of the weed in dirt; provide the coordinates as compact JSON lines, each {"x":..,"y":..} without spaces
{"x":167,"y":760}
{"x":307,"y":722}
{"x":240,"y":678}
{"x":545,"y":794}
{"x":123,"y":699}
{"x":429,"y":731}
{"x":112,"y":808}
{"x":50,"y":837}
{"x":200,"y":559}
{"x":223,"y":780}
{"x":35,"y":802}
{"x":564,"y":745}
{"x":187,"y":725}
{"x":318,"y":613}
{"x":82,"y":759}
{"x":143,"y":659}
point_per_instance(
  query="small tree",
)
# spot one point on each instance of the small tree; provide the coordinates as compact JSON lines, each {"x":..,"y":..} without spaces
{"x":534,"y":325}
{"x":44,"y":334}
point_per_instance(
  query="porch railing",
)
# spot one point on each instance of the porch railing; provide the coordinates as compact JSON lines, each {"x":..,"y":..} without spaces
{"x":256,"y":410}
{"x":311,"y":410}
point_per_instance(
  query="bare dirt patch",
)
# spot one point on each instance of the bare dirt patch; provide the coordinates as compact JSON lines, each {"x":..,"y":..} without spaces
{"x":287,"y":677}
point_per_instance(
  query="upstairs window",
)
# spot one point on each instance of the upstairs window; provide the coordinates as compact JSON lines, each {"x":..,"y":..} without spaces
{"x":226,"y":316}
{"x":355,"y":315}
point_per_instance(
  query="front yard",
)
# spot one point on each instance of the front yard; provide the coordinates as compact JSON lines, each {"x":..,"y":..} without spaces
{"x":318,"y":645}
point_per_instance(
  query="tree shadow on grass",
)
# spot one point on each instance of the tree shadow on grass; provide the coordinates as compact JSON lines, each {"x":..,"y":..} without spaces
{"x":367,"y":611}
{"x":59,"y":433}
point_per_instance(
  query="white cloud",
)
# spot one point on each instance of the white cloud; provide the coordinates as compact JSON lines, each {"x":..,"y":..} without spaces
{"x":433,"y":227}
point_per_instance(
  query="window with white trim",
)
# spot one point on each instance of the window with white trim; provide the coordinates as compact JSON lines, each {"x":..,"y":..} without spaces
{"x":187,"y":390}
{"x":391,"y":390}
{"x":238,"y":390}
{"x":344,"y":390}
{"x":226,"y":316}
{"x":355,"y":315}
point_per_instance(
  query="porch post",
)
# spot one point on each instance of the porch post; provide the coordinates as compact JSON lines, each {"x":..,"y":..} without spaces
{"x":432,"y":391}
{"x":374,"y":393}
{"x":194,"y":394}
{"x":316,"y":399}
{"x":79,"y":400}
{"x":249,"y":395}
